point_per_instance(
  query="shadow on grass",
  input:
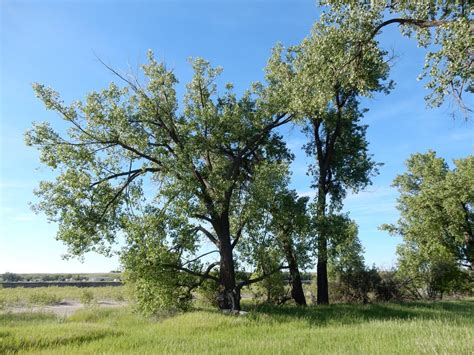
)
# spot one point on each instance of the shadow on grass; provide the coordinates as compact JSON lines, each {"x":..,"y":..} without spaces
{"x":25,"y":317}
{"x":459,"y":311}
{"x":12,"y":343}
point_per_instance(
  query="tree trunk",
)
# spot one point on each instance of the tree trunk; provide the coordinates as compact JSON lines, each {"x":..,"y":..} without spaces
{"x":322,"y":278}
{"x":297,"y":292}
{"x":322,"y":266}
{"x":229,"y":296}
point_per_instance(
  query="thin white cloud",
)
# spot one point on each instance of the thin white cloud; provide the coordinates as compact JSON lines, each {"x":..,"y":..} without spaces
{"x":372,"y":202}
{"x":462,"y":136}
{"x":309,"y":193}
{"x":373,"y":193}
{"x":9,"y":184}
{"x":24,"y":217}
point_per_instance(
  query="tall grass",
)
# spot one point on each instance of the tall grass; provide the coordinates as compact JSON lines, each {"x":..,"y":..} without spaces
{"x":418,"y":328}
{"x":54,"y":295}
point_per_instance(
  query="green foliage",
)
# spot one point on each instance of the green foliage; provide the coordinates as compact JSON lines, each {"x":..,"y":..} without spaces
{"x":273,"y":289}
{"x":354,"y":285}
{"x":390,"y":287}
{"x":345,"y":249}
{"x":87,"y":297}
{"x":303,"y":78}
{"x":444,"y":27}
{"x":436,"y":221}
{"x":153,"y":286}
{"x":11,"y":277}
{"x":209,"y":292}
{"x":44,"y":298}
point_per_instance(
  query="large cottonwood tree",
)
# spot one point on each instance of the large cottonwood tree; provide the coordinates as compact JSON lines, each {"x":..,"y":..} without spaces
{"x":199,"y":163}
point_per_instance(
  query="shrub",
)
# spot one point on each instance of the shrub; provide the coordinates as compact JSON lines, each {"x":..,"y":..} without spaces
{"x":11,"y":277}
{"x":389,"y":288}
{"x":87,"y":297}
{"x":44,"y":298}
{"x":272,"y":289}
{"x":209,"y":292}
{"x":3,"y":303}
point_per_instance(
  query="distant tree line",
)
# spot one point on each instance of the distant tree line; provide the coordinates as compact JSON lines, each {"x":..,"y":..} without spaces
{"x":13,"y":277}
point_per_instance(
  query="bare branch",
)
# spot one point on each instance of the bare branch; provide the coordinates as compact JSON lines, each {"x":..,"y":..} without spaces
{"x":199,"y":257}
{"x":130,"y":172}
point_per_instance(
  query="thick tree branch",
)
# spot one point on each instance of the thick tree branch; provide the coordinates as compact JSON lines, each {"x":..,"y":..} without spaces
{"x":408,"y":21}
{"x":205,"y":275}
{"x":208,"y":234}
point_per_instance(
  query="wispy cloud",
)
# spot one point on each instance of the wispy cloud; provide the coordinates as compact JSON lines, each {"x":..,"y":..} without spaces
{"x":24,"y":217}
{"x":462,"y":136}
{"x":373,"y":202}
{"x":9,"y":184}
{"x":309,"y":193}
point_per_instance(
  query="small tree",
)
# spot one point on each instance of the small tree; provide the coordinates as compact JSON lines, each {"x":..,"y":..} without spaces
{"x":290,"y":223}
{"x":280,"y":224}
{"x":436,"y":220}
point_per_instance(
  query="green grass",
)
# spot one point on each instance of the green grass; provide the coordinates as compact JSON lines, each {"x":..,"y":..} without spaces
{"x":415,"y":328}
{"x":54,"y":295}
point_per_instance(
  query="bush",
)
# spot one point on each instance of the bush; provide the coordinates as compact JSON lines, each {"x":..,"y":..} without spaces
{"x":11,"y":277}
{"x":209,"y":292}
{"x":87,"y":297}
{"x":353,"y":285}
{"x":44,"y":298}
{"x":361,"y":285}
{"x":389,"y":288}
{"x":271,"y":289}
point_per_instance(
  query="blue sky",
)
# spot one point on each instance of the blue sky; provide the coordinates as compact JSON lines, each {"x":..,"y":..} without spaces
{"x":56,"y":43}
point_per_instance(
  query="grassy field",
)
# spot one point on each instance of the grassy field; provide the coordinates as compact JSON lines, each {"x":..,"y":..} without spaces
{"x":54,"y":295}
{"x":415,"y":328}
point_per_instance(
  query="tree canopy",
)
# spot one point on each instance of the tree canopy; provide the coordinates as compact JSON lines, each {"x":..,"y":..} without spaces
{"x":198,"y":191}
{"x":443,"y":27}
{"x":436,"y":207}
{"x":202,"y":161}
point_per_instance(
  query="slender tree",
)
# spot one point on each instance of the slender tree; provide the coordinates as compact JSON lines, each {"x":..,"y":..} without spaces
{"x":321,"y":89}
{"x":280,"y":223}
{"x":290,"y":224}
